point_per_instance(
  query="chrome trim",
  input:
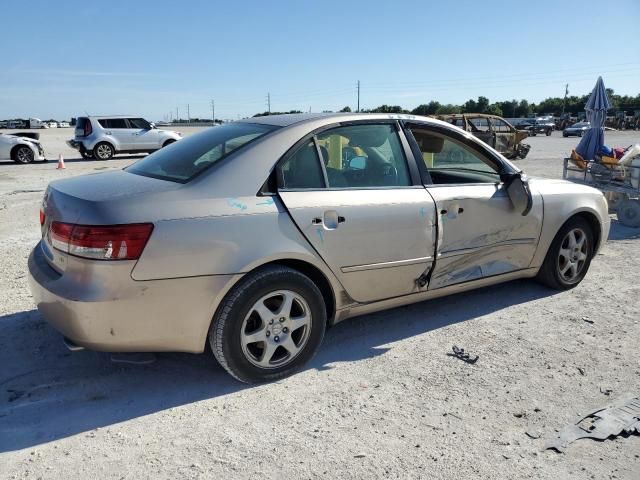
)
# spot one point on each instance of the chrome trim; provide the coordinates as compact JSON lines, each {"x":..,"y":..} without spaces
{"x":396,"y":263}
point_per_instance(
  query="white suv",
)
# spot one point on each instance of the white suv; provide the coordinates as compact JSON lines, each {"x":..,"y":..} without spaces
{"x":102,"y":137}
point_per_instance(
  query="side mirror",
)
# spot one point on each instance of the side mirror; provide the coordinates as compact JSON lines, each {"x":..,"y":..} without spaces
{"x":517,"y":186}
{"x":152,"y":125}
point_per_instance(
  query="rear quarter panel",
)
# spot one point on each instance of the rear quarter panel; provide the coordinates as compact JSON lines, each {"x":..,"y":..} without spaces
{"x":243,"y":234}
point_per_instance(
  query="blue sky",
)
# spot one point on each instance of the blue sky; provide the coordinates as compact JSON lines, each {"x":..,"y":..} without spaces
{"x":151,"y":57}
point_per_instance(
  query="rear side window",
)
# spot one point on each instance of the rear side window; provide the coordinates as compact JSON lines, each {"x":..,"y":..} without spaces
{"x":113,"y":123}
{"x":187,"y":158}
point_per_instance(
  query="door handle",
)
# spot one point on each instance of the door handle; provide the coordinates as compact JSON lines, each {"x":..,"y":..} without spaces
{"x":329,"y":220}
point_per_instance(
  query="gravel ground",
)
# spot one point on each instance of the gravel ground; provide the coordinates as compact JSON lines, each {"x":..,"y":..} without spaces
{"x":381,"y":399}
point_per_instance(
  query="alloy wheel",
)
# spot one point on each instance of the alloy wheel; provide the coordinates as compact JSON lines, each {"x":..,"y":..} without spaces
{"x":103,"y":152}
{"x":24,"y":155}
{"x":276,"y":329}
{"x":573,"y":255}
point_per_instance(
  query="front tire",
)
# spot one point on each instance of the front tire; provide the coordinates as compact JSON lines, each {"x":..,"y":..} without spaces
{"x":569,"y":255}
{"x":103,"y":151}
{"x":269,"y":325}
{"x":22,"y":154}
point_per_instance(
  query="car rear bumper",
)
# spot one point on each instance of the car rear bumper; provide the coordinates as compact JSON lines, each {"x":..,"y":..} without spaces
{"x":125,"y":315}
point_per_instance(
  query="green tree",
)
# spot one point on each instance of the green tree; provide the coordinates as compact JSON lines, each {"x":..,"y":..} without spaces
{"x":346,"y":110}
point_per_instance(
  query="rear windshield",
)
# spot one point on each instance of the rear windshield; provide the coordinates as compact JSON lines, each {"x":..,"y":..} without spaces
{"x":187,"y":158}
{"x":81,"y":122}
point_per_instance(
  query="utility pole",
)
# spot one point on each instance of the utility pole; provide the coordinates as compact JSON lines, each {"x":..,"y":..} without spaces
{"x":269,"y":103}
{"x":358,"y":96}
{"x":188,"y":115}
{"x":564,"y":102}
{"x":177,"y":114}
{"x":213,"y":111}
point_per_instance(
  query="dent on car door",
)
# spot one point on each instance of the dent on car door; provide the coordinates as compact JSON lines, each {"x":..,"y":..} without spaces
{"x":350,"y":193}
{"x":480,"y":231}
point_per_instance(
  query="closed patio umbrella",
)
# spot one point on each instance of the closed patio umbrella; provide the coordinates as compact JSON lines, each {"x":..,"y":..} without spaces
{"x":596,"y":108}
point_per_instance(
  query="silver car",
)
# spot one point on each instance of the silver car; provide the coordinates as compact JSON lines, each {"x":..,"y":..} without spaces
{"x":255,"y":236}
{"x":102,"y":137}
{"x":20,"y":148}
{"x":577,"y":129}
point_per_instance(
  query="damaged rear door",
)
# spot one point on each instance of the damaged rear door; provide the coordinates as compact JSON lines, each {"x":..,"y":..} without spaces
{"x":369,"y":219}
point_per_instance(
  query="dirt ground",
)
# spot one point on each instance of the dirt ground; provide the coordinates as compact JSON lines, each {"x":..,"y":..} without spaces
{"x":381,"y":399}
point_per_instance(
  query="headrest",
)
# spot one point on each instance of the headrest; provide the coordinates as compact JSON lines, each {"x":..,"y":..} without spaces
{"x":367,"y":136}
{"x":429,"y":143}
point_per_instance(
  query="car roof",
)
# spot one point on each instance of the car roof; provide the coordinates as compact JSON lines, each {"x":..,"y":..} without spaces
{"x":112,"y":116}
{"x":290,"y":119}
{"x":461,"y":115}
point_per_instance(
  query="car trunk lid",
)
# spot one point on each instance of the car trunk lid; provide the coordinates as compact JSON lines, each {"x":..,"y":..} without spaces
{"x":97,"y":199}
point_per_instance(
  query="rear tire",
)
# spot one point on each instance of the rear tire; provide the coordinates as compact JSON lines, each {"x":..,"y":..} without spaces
{"x":569,"y":255}
{"x":269,"y":325}
{"x":86,"y":155}
{"x":103,"y":151}
{"x":548,"y":132}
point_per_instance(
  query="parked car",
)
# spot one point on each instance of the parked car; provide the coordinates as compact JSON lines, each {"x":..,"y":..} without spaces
{"x":20,"y":148}
{"x":104,"y":137}
{"x":63,"y":124}
{"x":576,"y":130}
{"x":494,"y":131}
{"x":256,"y":235}
{"x":535,"y":126}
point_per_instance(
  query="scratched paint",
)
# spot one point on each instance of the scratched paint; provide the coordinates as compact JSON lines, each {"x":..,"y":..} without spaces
{"x":268,"y":201}
{"x":235,"y":203}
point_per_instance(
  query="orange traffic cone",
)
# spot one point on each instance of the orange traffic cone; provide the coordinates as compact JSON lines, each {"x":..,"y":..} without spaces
{"x":60,"y":163}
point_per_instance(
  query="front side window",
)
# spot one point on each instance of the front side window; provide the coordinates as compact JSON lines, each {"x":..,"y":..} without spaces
{"x":500,"y":125}
{"x":361,"y":156}
{"x":189,"y":157}
{"x":450,"y":161}
{"x":479,"y":124}
{"x":139,"y":123}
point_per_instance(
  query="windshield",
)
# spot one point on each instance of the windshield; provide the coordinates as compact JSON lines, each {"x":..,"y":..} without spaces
{"x":581,"y":124}
{"x":187,"y":158}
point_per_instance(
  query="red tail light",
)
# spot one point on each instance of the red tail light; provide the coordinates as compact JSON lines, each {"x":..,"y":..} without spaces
{"x":101,"y":242}
{"x":87,"y":128}
{"x":42,"y":217}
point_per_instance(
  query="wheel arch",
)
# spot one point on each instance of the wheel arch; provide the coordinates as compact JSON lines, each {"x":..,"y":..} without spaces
{"x":108,"y":141}
{"x":594,"y":223}
{"x":14,"y":150}
{"x":316,"y":275}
